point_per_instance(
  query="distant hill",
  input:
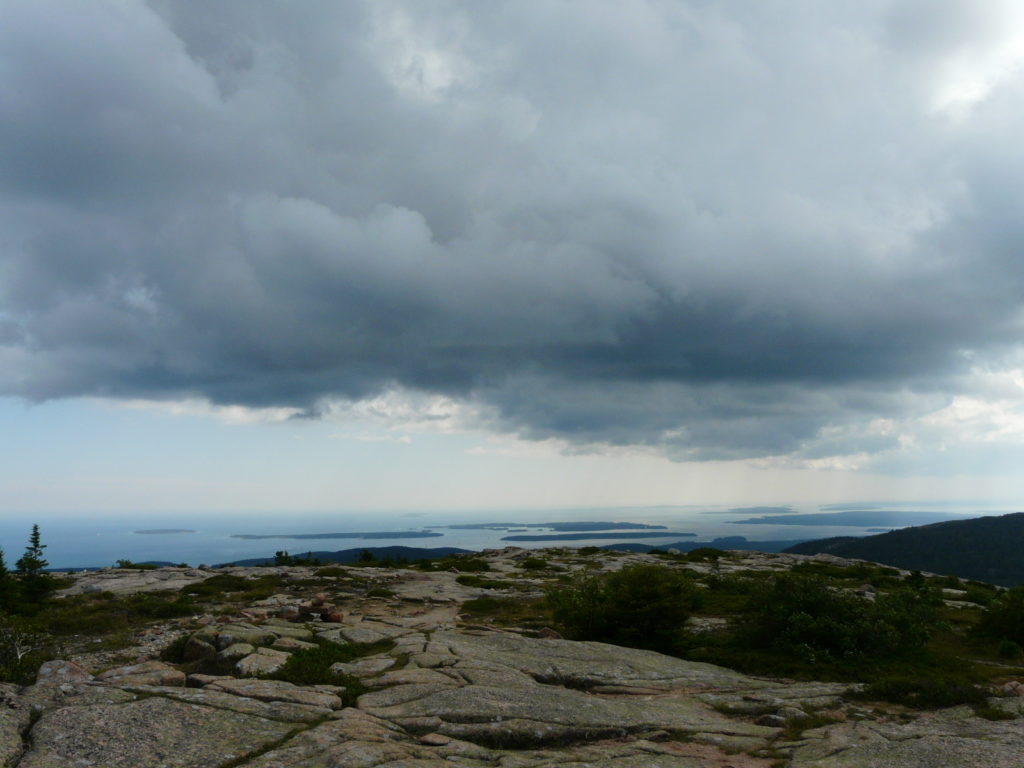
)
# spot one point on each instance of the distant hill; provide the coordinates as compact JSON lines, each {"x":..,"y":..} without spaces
{"x":725,"y":542}
{"x":352,"y":555}
{"x":985,"y":548}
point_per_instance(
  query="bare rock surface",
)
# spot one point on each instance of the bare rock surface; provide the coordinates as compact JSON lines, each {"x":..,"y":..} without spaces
{"x":586,"y":664}
{"x":951,"y":737}
{"x":263,"y":661}
{"x":152,"y":732}
{"x":128,"y":581}
{"x":277,"y":690}
{"x":437,"y":693}
{"x":13,"y":722}
{"x":145,"y":673}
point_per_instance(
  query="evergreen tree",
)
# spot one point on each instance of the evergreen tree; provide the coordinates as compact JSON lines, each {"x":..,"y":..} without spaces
{"x":35,"y":584}
{"x":32,"y":562}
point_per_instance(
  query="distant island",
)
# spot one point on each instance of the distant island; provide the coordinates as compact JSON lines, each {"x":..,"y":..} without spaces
{"x":580,"y":536}
{"x":585,"y":525}
{"x":346,"y":535}
{"x":761,"y":510}
{"x":856,"y":518}
{"x":165,"y":530}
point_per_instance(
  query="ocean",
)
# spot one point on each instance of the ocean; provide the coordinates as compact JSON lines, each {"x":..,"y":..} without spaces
{"x":100,"y":539}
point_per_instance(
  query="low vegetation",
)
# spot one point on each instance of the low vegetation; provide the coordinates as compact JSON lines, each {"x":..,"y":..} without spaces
{"x":641,"y":606}
{"x":472,"y":580}
{"x":861,"y":623}
{"x":1004,"y":621}
{"x":312,"y":666}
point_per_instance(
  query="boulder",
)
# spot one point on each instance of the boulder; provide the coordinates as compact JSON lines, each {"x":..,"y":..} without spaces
{"x":290,"y":644}
{"x":145,"y":673}
{"x":363,"y":667}
{"x":197,"y":648}
{"x":264,"y":661}
{"x":60,"y":671}
{"x":236,"y":652}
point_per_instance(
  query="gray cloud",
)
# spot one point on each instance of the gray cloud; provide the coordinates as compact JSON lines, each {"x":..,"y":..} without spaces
{"x":720,"y":232}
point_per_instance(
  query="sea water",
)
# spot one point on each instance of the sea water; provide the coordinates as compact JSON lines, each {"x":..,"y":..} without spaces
{"x":100,"y":539}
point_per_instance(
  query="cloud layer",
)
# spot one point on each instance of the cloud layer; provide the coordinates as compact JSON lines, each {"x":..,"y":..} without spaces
{"x":716,"y":231}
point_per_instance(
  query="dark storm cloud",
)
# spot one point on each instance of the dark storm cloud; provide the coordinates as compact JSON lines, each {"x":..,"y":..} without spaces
{"x":721,"y":232}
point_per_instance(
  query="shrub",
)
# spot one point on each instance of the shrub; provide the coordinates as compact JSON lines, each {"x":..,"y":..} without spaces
{"x":932,"y":692}
{"x":534,"y":564}
{"x":175,"y":651}
{"x":223,"y":584}
{"x":1004,"y":619}
{"x":1008,"y":649}
{"x":470,"y":580}
{"x":802,"y":616}
{"x":105,"y":613}
{"x":506,"y":611}
{"x":331,"y":571}
{"x":312,"y":666}
{"x":990,"y":712}
{"x":641,"y":606}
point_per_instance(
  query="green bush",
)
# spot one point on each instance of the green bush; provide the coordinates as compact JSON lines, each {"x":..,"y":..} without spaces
{"x":507,"y":611}
{"x":312,"y":666}
{"x":1008,"y":649}
{"x":802,"y":616}
{"x":218,"y":585}
{"x":224,"y":584}
{"x":105,"y":613}
{"x":932,"y":692}
{"x":641,"y":606}
{"x":1004,"y":619}
{"x":981,"y":594}
{"x":534,"y":564}
{"x":331,"y":571}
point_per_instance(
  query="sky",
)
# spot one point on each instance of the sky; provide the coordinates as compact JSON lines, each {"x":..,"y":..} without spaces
{"x":440,"y":254}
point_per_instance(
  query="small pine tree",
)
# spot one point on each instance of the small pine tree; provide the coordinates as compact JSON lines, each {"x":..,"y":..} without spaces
{"x":32,"y":562}
{"x":35,"y":584}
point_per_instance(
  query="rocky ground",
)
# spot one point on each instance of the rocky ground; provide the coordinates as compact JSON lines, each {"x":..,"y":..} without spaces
{"x":441,"y":691}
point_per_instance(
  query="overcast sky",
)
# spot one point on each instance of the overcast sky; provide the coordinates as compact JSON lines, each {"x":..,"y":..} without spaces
{"x":536,"y":251}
